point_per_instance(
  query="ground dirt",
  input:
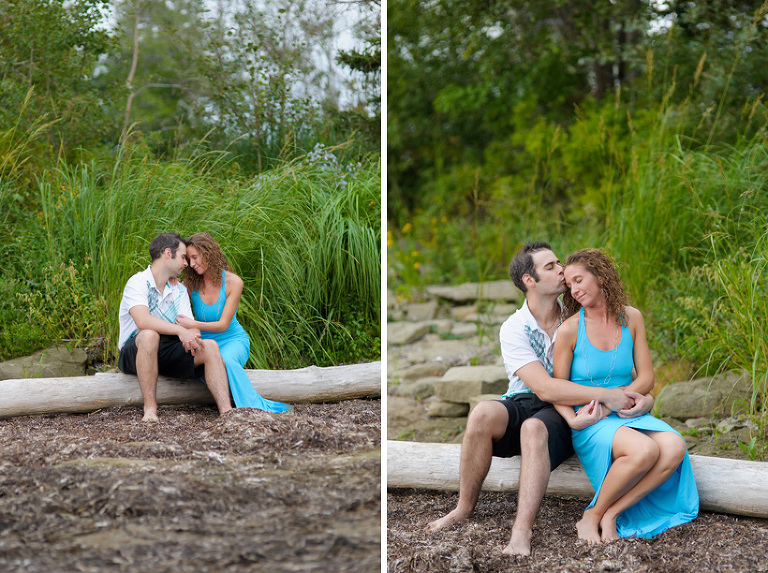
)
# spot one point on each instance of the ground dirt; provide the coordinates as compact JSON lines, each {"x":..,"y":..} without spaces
{"x":195,"y":492}
{"x":712,"y":543}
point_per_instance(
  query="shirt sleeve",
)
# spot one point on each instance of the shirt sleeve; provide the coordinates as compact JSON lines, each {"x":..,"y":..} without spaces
{"x":136,"y":293}
{"x":516,"y":349}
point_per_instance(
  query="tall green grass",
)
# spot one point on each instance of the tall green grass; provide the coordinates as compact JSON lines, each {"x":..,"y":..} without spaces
{"x":303,"y":236}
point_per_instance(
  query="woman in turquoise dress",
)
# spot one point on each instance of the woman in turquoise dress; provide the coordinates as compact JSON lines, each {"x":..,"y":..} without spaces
{"x":639,"y":467}
{"x":215,"y":294}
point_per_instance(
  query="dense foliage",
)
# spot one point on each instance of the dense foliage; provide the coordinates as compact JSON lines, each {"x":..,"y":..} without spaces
{"x":636,"y":126}
{"x":128,"y":118}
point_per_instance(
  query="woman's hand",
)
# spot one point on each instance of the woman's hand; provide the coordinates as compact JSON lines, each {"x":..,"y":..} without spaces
{"x":185,"y":321}
{"x":587,"y":415}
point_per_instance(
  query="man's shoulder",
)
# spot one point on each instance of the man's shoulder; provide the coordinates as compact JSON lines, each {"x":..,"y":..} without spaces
{"x":517,"y":320}
{"x":137,"y":279}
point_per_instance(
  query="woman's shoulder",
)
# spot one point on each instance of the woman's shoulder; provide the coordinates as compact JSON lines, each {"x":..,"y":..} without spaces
{"x":570,"y":326}
{"x":633,"y":315}
{"x":231,"y":280}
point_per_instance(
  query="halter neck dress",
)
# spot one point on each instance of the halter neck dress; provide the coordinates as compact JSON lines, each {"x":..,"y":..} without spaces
{"x":235,"y":347}
{"x":674,"y":502}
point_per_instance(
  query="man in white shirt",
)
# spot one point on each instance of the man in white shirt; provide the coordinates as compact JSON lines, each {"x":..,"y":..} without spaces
{"x":151,"y":342}
{"x":524,"y":422}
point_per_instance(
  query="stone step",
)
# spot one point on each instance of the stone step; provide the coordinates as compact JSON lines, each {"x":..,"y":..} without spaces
{"x":461,"y":383}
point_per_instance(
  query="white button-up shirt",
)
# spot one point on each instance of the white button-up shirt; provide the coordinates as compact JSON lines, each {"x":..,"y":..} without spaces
{"x":141,"y":290}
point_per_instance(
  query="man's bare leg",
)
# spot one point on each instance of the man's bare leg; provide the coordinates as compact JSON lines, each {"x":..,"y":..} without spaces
{"x":534,"y":476}
{"x":215,"y":374}
{"x":487,"y":422}
{"x":147,"y":343}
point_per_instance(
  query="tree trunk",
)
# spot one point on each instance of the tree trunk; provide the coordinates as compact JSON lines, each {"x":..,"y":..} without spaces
{"x":27,"y":396}
{"x":725,"y":485}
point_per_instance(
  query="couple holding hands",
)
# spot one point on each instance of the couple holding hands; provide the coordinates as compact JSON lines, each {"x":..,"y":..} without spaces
{"x":188,"y":328}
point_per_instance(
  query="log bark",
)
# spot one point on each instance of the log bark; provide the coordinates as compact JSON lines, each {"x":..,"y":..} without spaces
{"x":25,"y":396}
{"x":725,"y":486}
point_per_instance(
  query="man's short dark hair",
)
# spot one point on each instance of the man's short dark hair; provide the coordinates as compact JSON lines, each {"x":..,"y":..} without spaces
{"x":165,"y":241}
{"x":522,"y":263}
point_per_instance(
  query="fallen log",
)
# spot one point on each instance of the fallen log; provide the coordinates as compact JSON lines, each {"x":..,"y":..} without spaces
{"x":725,"y":485}
{"x":25,"y":396}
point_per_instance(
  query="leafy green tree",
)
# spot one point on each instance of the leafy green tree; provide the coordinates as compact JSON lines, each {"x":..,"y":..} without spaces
{"x":48,"y":52}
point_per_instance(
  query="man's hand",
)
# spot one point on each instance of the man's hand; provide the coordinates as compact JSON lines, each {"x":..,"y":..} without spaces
{"x":587,"y":415}
{"x":616,"y":399}
{"x":190,"y":339}
{"x":642,"y":405}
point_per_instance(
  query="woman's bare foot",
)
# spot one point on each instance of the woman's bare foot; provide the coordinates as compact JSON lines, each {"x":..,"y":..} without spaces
{"x":519,"y":543}
{"x":588,"y":528}
{"x":446,"y":521}
{"x":608,"y":528}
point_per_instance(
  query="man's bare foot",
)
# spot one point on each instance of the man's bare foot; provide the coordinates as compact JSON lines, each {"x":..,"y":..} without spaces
{"x":608,"y":527}
{"x":519,"y":543}
{"x":446,"y":521}
{"x":588,"y":528}
{"x":150,"y":415}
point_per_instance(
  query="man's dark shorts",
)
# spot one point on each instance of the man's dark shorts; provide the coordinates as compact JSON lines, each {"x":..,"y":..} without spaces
{"x":524,"y":406}
{"x":172,"y":359}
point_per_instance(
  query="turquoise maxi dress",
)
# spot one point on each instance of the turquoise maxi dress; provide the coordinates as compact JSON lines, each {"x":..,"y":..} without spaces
{"x":674,"y":502}
{"x":235,"y":347}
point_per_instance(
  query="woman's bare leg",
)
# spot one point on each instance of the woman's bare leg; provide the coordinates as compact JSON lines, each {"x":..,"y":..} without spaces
{"x":671,"y":453}
{"x":634,"y":454}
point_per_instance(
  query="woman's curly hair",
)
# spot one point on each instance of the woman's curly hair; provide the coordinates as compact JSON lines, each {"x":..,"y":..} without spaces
{"x":215,"y":260}
{"x":603,"y":267}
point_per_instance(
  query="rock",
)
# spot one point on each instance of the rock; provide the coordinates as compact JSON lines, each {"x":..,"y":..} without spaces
{"x":487,"y":319}
{"x":697,"y":423}
{"x":464,"y":330}
{"x":391,"y":300}
{"x":418,"y":389}
{"x":399,"y":333}
{"x":440,"y":325}
{"x":421,"y":311}
{"x":503,"y":290}
{"x":461,"y":312}
{"x":442,"y":409}
{"x":55,"y":362}
{"x":448,"y":352}
{"x":422,"y":371}
{"x":505,"y":310}
{"x":461,"y":383}
{"x":703,"y":396}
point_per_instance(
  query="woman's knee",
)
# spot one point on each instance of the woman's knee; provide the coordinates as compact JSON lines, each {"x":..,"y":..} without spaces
{"x":672,"y":448}
{"x":636,"y":446}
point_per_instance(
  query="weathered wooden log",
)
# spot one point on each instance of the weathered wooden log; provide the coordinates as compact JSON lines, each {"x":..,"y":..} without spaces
{"x":26,"y":396}
{"x":725,"y":485}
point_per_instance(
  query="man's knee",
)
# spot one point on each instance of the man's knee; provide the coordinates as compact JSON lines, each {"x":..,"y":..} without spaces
{"x":210,"y":350}
{"x":488,"y":417}
{"x":148,"y":340}
{"x":534,"y":433}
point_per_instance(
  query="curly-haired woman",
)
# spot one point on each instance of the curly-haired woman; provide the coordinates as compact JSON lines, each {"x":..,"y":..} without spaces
{"x":639,"y":467}
{"x":215,"y":293}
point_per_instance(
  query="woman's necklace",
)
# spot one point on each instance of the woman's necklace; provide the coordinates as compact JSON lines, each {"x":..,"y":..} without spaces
{"x":203,"y":308}
{"x":613,"y":359}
